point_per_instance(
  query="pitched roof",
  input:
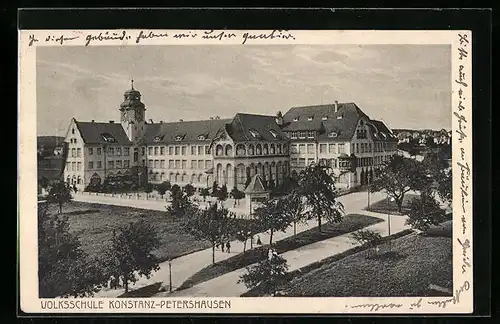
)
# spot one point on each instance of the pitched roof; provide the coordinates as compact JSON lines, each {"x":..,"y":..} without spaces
{"x":188,"y":131}
{"x":324,"y":119}
{"x":251,"y":127}
{"x":256,"y":185}
{"x":382,"y":132}
{"x":92,"y":132}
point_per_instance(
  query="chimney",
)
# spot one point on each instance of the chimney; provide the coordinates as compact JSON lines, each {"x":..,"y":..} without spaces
{"x":161,"y":121}
{"x":93,"y":120}
{"x":181,"y":120}
{"x":279,"y":118}
{"x":336,"y":106}
{"x":111,"y":121}
{"x":151,"y":121}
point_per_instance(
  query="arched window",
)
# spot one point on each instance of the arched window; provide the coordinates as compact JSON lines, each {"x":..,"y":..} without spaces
{"x":219,"y":150}
{"x":251,"y":149}
{"x":240,"y":174}
{"x":193,"y":178}
{"x":285,"y":148}
{"x":200,"y":178}
{"x":272,"y":149}
{"x":171,"y":177}
{"x":240,"y":150}
{"x":177,"y":177}
{"x":184,"y":177}
{"x":229,"y":150}
{"x":266,"y":149}
{"x":278,"y":146}
{"x":258,"y":149}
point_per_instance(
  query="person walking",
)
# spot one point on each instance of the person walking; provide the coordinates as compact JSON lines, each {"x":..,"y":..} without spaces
{"x":228,"y":247}
{"x":222,"y":246}
{"x":259,"y":242}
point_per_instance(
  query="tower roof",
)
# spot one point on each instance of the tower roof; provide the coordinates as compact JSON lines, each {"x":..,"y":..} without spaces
{"x":256,"y":186}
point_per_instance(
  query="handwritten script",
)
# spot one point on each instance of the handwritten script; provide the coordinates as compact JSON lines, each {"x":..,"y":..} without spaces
{"x":144,"y":35}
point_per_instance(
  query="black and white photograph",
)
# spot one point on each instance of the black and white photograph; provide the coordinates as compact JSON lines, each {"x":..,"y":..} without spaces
{"x":210,"y":172}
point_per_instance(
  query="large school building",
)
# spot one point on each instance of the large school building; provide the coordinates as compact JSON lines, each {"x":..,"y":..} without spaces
{"x":227,"y":151}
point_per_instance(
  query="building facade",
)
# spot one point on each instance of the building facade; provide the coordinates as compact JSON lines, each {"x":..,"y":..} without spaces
{"x":227,"y":151}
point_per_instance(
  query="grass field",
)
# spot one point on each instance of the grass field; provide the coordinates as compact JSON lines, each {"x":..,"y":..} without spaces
{"x":94,"y":225}
{"x":384,"y":206}
{"x":412,"y":264}
{"x":349,"y":224}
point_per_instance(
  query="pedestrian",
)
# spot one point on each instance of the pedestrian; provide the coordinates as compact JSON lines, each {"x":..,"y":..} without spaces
{"x":228,"y":247}
{"x":259,"y":242}
{"x":222,"y":246}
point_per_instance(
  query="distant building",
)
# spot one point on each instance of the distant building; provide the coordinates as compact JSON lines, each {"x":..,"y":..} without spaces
{"x":227,"y":151}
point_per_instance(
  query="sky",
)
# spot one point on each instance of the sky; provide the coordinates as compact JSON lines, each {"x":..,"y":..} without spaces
{"x":407,"y":86}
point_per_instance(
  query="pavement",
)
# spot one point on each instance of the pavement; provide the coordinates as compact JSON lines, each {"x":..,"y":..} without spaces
{"x":184,"y":267}
{"x":227,"y":285}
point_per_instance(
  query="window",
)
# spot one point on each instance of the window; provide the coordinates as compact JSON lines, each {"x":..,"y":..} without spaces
{"x":302,"y":148}
{"x":200,"y":164}
{"x":78,"y":152}
{"x":73,"y":152}
{"x":118,"y":151}
{"x":171,"y":164}
{"x":111,"y":164}
{"x":302,"y":162}
{"x":162,"y":150}
{"x":201,"y":137}
{"x":193,"y":164}
{"x":72,"y":131}
{"x":183,"y":150}
{"x":208,"y":149}
{"x":143,"y":162}
{"x":310,"y":118}
{"x":119,"y":164}
{"x":293,"y":162}
{"x":254,"y":133}
{"x":73,"y":166}
{"x":294,"y":135}
{"x":208,"y":164}
{"x":178,"y":138}
{"x":331,"y":148}
{"x":296,"y":119}
{"x":157,"y":164}
{"x":126,"y":163}
{"x":332,"y":134}
{"x":334,"y":163}
{"x":177,"y":150}
{"x":310,"y":148}
{"x":322,"y":148}
{"x":91,"y":165}
{"x":184,"y":164}
{"x":91,"y":151}
{"x":162,"y":164}
{"x":357,"y":147}
{"x":341,"y":148}
{"x":310,"y":134}
{"x":99,"y":164}
{"x":150,"y":150}
{"x":143,"y":150}
{"x":193,"y":150}
{"x":273,"y":132}
{"x":302,"y":134}
{"x":150,"y":164}
{"x":170,"y":150}
{"x":200,"y":150}
{"x":156,"y":150}
{"x":99,"y":151}
{"x":324,"y":118}
{"x":108,"y":138}
{"x":177,"y":164}
{"x":111,"y":151}
{"x":126,"y":151}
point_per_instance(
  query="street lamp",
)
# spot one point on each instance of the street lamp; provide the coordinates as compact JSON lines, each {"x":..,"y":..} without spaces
{"x":170,"y":273}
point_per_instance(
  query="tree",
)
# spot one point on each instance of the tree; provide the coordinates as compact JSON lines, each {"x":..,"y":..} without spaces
{"x":215,"y":189}
{"x":212,"y":224}
{"x":237,"y":195}
{"x":425,"y":212}
{"x":44,"y":182}
{"x":148,"y":188}
{"x":244,"y":230}
{"x":163,"y":187}
{"x":294,"y":207}
{"x":271,"y":216}
{"x":64,"y":269}
{"x":205,"y":192}
{"x":175,"y":189}
{"x":180,"y":205}
{"x":189,"y":190}
{"x":130,"y":256}
{"x":60,"y":193}
{"x":222,"y":194}
{"x":316,"y":187}
{"x":270,"y":274}
{"x":366,"y":237}
{"x":398,"y":176}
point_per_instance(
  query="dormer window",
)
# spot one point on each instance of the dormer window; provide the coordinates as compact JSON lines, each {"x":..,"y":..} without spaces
{"x":310,"y":134}
{"x":254,"y":133}
{"x":158,"y":138}
{"x":310,"y":118}
{"x":324,"y":118}
{"x":296,"y":119}
{"x":202,"y":137}
{"x":108,"y":138}
{"x":332,"y":134}
{"x":339,"y":116}
{"x":383,"y":135}
{"x":273,"y":132}
{"x":179,"y":138}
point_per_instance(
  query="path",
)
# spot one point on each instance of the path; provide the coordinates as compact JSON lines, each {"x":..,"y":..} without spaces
{"x":227,"y":285}
{"x":186,"y":266}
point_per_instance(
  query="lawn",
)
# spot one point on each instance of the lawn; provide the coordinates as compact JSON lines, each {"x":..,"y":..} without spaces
{"x":412,"y":264}
{"x":350,"y":223}
{"x":385,"y":207}
{"x":94,"y":225}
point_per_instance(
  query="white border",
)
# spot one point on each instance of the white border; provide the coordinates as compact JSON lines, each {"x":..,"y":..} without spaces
{"x":462,"y":153}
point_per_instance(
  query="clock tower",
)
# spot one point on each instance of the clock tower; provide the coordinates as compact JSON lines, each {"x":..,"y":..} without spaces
{"x":132,"y":112}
